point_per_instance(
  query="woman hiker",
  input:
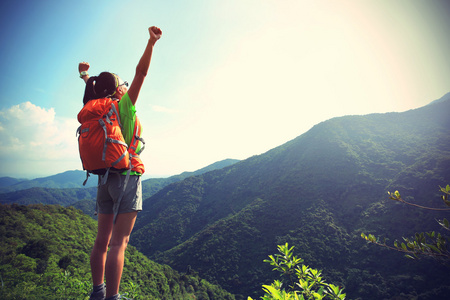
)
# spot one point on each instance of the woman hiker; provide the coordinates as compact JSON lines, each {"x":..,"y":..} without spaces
{"x":115,"y":222}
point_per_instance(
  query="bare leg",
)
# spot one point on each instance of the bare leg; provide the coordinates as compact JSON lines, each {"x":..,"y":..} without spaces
{"x":119,"y":241}
{"x":99,"y":252}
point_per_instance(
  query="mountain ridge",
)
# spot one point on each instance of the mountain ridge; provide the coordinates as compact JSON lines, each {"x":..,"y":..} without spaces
{"x":67,"y":179}
{"x":338,"y":172}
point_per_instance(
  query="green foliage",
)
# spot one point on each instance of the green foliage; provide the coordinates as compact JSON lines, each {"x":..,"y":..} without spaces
{"x":44,"y":254}
{"x":153,"y":185}
{"x":299,"y":281}
{"x":428,"y":244}
{"x":446,"y":192}
{"x":37,"y":195}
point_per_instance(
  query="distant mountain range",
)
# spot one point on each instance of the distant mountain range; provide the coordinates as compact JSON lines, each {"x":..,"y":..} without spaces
{"x":68,"y":179}
{"x":67,"y":188}
{"x":317,"y":192}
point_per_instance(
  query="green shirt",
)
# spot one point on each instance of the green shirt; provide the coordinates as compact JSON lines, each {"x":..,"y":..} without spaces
{"x":127,"y":113}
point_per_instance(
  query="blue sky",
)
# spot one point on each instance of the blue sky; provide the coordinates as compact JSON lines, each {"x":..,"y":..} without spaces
{"x":228,"y":79}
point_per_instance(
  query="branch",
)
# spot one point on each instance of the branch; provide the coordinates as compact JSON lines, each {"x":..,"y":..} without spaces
{"x":396,"y":197}
{"x":417,"y":246}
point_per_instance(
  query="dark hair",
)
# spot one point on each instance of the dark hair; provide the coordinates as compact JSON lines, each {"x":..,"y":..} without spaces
{"x":101,"y":86}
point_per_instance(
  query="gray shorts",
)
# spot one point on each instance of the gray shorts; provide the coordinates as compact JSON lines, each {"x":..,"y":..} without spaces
{"x":109,"y":193}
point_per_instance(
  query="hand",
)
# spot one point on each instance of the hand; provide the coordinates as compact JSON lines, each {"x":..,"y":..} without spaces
{"x":155,"y":33}
{"x":83,"y":66}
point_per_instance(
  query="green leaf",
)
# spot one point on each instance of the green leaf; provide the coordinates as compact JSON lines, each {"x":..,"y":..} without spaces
{"x":317,"y":296}
{"x":447,"y":202}
{"x":333,"y":289}
{"x":320,"y":291}
{"x":403,"y":246}
{"x":304,"y":284}
{"x":272,"y":291}
{"x":434,"y":248}
{"x":305,"y":268}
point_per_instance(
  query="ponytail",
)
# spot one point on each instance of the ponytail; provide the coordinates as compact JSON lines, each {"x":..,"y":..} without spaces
{"x":89,"y":92}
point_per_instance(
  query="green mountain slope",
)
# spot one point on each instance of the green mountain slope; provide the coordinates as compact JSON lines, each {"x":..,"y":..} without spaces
{"x":44,"y":253}
{"x":153,"y":185}
{"x":317,"y":192}
{"x":38,"y":195}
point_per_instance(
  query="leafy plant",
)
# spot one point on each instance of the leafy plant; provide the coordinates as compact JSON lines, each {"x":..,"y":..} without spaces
{"x":299,"y":281}
{"x":429,"y":244}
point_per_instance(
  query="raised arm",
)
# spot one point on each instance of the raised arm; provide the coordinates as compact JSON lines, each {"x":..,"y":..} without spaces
{"x":144,"y":64}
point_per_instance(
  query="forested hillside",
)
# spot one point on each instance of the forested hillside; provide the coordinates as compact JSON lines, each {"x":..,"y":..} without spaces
{"x":153,"y":185}
{"x":44,"y":254}
{"x":38,"y":195}
{"x":317,"y":192}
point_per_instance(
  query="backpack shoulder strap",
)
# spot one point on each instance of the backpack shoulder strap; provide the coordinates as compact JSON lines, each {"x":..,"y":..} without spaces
{"x":115,"y":109}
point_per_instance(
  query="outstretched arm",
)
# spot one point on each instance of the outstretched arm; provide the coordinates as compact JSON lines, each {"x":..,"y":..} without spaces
{"x":144,"y":64}
{"x":83,"y":67}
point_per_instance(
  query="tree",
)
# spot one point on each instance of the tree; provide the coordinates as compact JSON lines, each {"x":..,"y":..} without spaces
{"x":299,"y":282}
{"x":428,"y":244}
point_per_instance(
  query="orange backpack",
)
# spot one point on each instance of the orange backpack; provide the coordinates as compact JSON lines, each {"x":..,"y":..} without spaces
{"x":100,"y":141}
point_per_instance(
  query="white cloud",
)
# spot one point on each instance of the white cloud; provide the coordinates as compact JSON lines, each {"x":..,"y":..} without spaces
{"x":27,"y":111}
{"x":35,"y":142}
